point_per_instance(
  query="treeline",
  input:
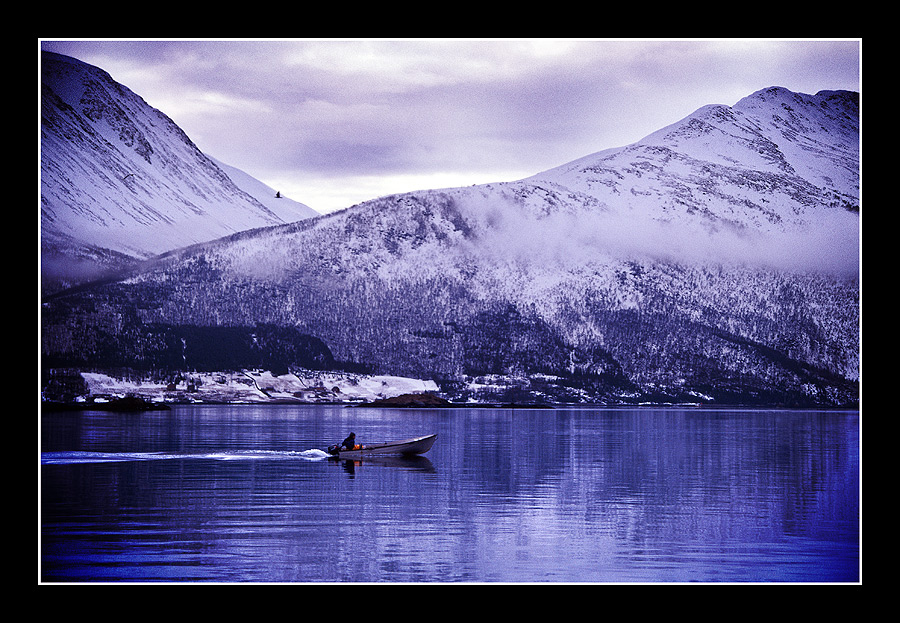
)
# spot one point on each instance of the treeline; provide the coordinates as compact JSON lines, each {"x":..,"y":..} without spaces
{"x":112,"y":335}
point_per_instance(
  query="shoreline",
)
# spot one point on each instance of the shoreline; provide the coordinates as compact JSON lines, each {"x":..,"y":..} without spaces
{"x":136,"y":404}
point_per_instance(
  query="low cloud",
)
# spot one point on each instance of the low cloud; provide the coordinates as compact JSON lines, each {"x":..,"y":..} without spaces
{"x":828,"y":243}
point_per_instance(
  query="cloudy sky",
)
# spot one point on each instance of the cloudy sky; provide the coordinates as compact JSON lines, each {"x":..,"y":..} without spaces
{"x":331,"y":123}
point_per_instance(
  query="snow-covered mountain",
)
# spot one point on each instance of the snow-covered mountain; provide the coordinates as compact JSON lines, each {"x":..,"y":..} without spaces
{"x":774,"y":161}
{"x":715,"y":260}
{"x":120,"y":181}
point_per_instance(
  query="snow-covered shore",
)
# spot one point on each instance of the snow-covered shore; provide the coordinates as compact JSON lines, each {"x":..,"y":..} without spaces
{"x":257,"y":386}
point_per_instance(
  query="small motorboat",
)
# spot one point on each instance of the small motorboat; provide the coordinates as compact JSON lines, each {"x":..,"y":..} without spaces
{"x":406,"y":447}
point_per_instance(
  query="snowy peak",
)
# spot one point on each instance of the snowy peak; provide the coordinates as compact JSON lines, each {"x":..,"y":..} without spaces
{"x":777,"y":161}
{"x":769,"y":123}
{"x":119,"y":175}
{"x":818,"y":135}
{"x":830,"y":109}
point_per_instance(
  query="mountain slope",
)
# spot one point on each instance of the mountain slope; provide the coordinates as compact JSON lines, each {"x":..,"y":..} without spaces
{"x":286,"y":209}
{"x":689,"y":266}
{"x":120,"y":181}
{"x":778,"y":166}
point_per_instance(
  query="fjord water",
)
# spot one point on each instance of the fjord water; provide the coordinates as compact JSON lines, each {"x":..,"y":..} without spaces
{"x":243,"y":494}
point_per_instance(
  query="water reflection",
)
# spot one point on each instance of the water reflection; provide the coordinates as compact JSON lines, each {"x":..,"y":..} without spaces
{"x":415,"y":463}
{"x":504,"y":496}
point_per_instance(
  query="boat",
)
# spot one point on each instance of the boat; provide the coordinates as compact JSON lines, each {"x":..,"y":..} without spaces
{"x":406,"y":447}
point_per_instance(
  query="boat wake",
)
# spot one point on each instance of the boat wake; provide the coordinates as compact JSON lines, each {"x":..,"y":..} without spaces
{"x":74,"y":457}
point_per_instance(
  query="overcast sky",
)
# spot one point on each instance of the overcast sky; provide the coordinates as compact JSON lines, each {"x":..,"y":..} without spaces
{"x":332,"y":123}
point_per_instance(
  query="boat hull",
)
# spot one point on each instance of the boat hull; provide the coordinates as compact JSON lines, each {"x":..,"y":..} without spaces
{"x":406,"y":447}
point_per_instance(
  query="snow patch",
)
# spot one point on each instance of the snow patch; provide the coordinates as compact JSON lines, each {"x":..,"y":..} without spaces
{"x":257,"y":386}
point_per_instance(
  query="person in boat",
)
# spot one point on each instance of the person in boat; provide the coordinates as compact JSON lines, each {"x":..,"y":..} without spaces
{"x":350,"y":442}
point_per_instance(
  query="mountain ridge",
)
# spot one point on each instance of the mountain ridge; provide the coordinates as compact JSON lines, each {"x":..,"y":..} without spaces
{"x":669,"y":270}
{"x":121,"y":182}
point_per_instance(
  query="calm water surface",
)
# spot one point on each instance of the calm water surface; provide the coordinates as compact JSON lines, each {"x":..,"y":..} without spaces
{"x":242,"y":494}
